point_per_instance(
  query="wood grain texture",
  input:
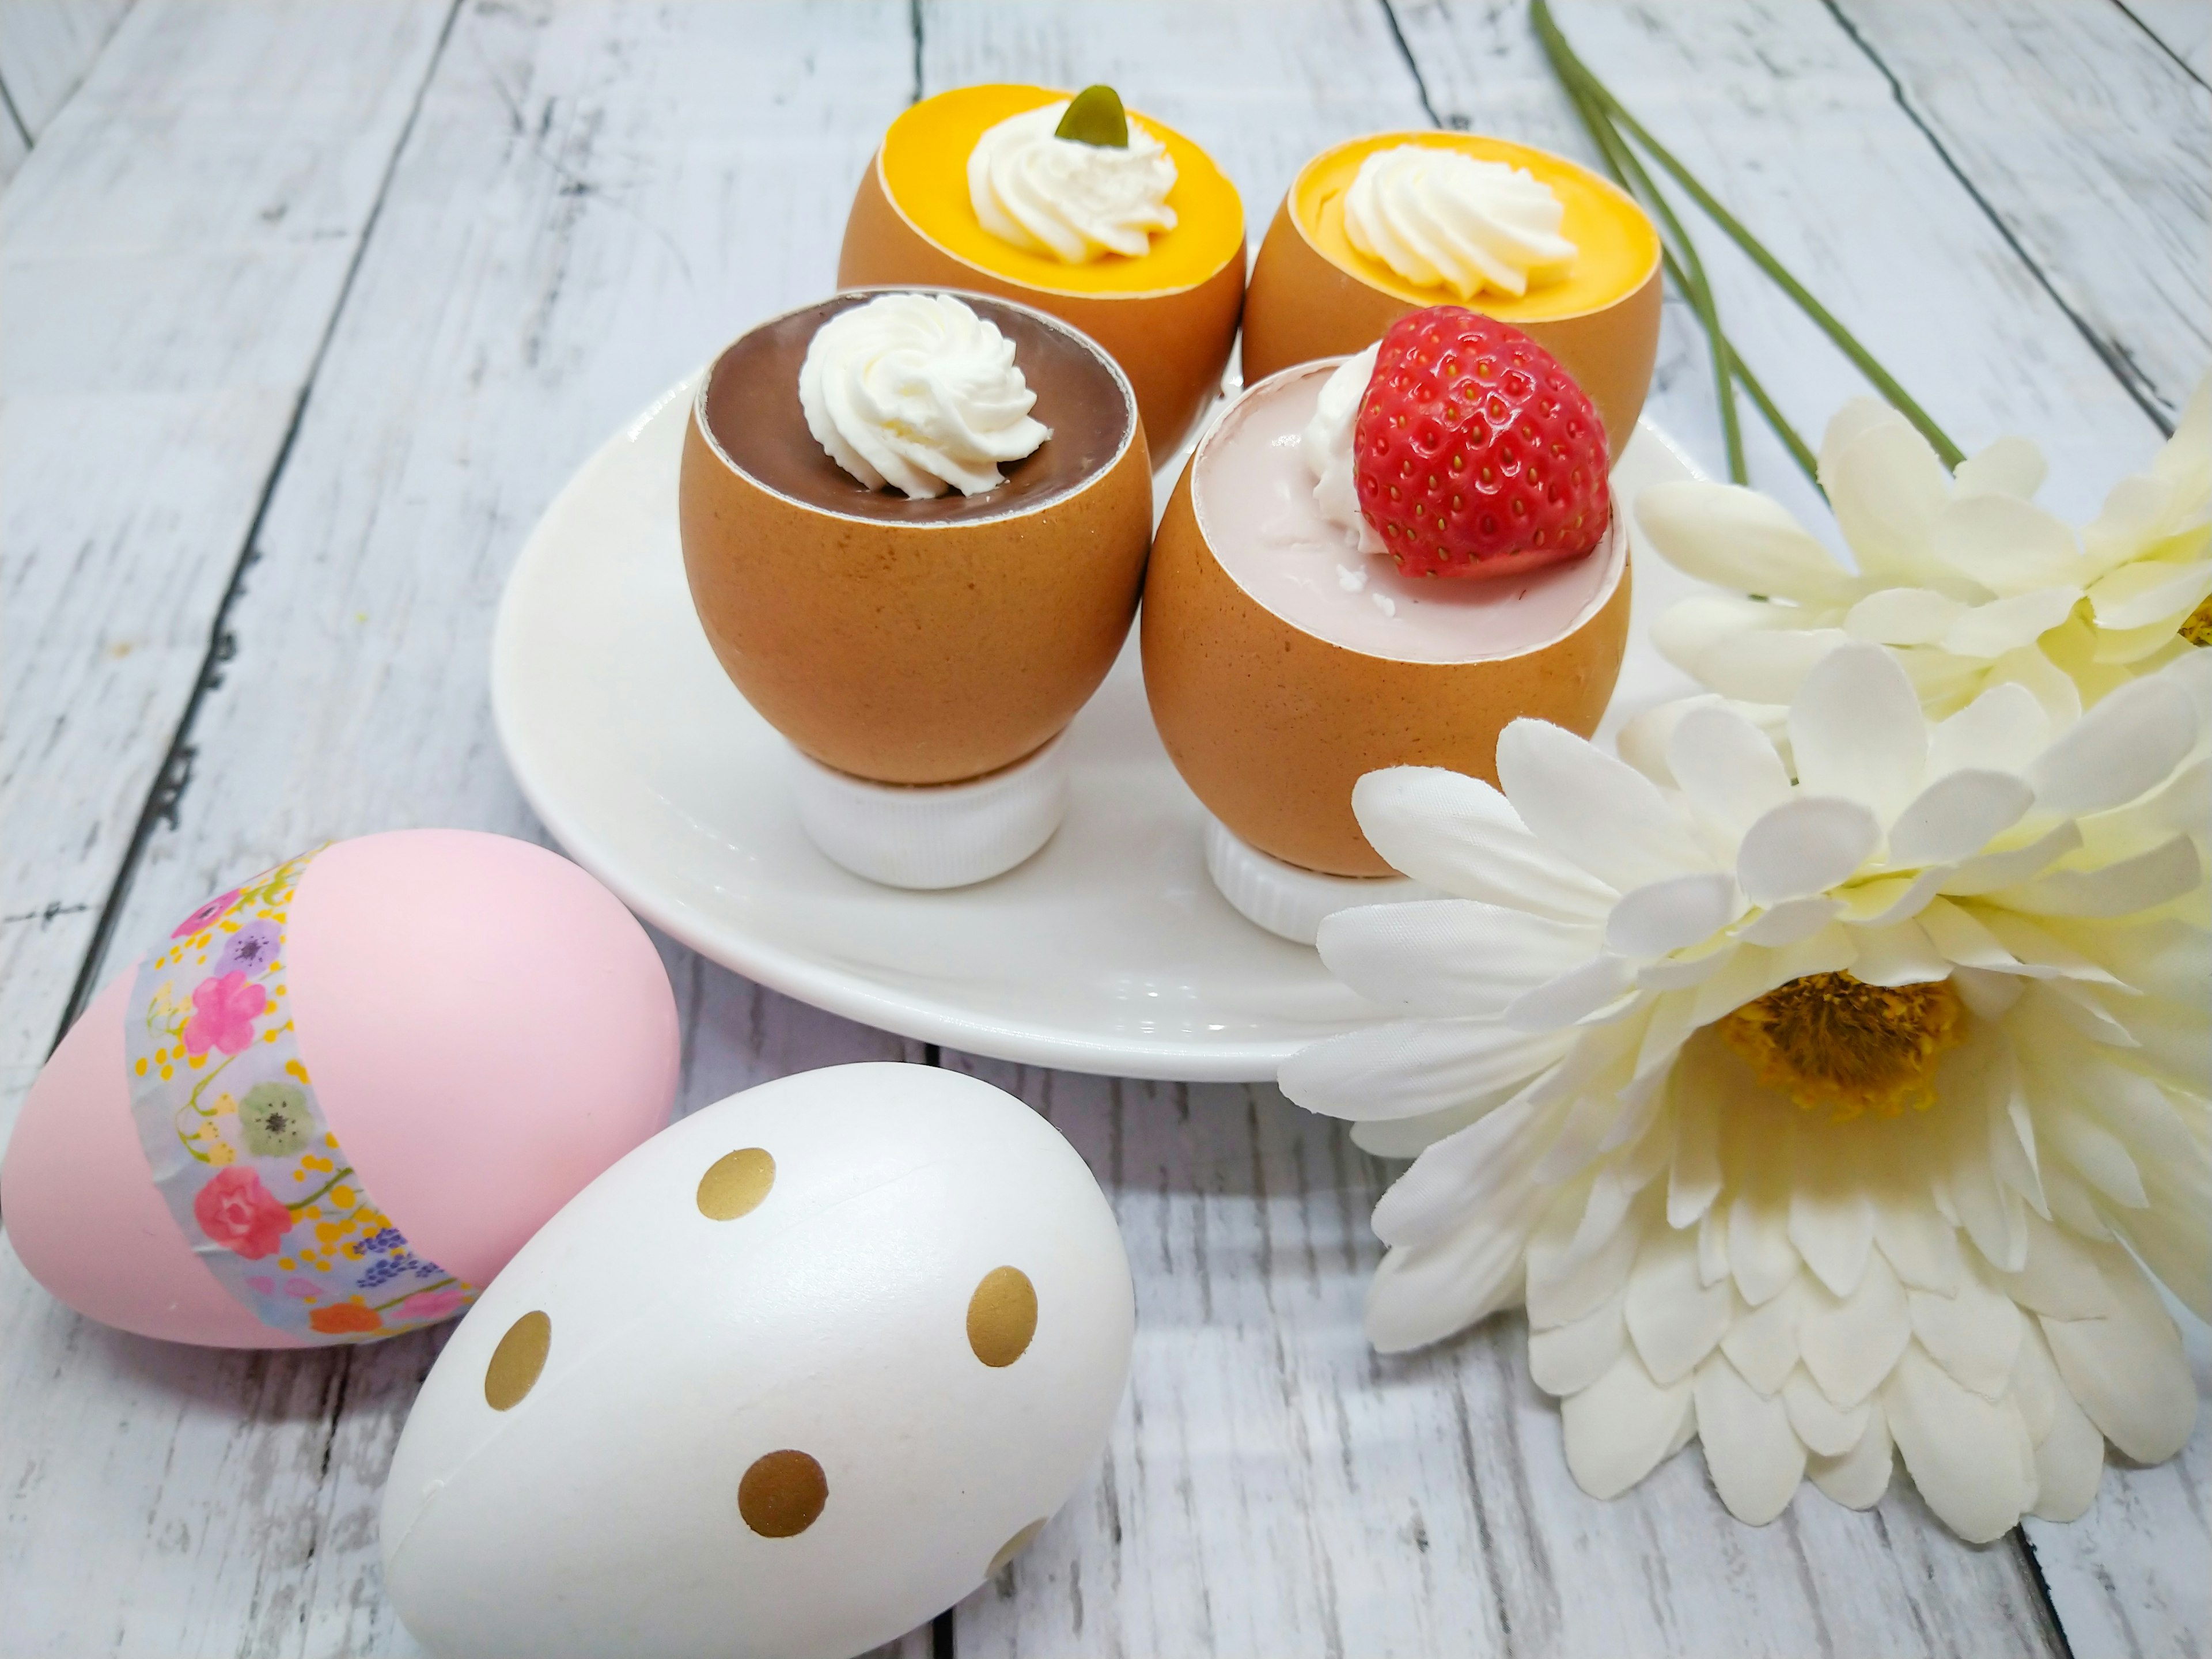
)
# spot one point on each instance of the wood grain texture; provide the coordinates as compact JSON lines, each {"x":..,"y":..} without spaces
{"x":169,"y":261}
{"x":47,"y":47}
{"x":1273,"y":1486}
{"x":591,"y":199}
{"x":2182,"y":27}
{"x":2080,"y":136}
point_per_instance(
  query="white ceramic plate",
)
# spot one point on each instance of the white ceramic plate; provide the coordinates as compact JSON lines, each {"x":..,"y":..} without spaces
{"x":1109,"y":951}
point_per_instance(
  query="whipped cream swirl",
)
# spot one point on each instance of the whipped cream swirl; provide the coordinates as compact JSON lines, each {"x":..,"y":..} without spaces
{"x":1326,"y":447}
{"x":1442,"y":219}
{"x":1077,"y":202}
{"x":917,"y":392}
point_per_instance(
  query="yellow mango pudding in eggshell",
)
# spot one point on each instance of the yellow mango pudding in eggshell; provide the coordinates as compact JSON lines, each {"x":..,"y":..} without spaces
{"x":915,"y":526}
{"x":1388,"y":224}
{"x":1370,"y":561}
{"x":1104,"y":218}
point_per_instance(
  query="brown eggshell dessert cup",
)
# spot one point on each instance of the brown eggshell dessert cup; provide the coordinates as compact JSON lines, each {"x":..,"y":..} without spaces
{"x":908,"y":651}
{"x":1271,"y":725}
{"x":1173,"y":343}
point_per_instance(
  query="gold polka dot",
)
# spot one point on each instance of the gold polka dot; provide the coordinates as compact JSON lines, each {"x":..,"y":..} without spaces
{"x":1013,"y":1546}
{"x":735,"y":1185}
{"x":517,"y":1361}
{"x":1002,"y":1317}
{"x":782,"y":1494}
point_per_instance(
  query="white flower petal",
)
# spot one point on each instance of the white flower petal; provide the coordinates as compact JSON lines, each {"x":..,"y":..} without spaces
{"x":1407,"y":1138}
{"x":1790,"y":920}
{"x":2174,"y":1234}
{"x":1568,"y":1358}
{"x":1804,"y":847}
{"x":1673,"y":1318}
{"x":2098,"y":1155}
{"x":1686,"y":629}
{"x":2117,"y":750}
{"x":2069,"y":1452}
{"x":1825,"y":1431}
{"x":1619,"y":1428}
{"x":1736,"y":538}
{"x":1850,"y":1344}
{"x":1671,"y":914}
{"x":1956,"y":816}
{"x":1596,"y":987}
{"x":1974,"y":1335}
{"x":2035,"y":673}
{"x":1760,"y":1255}
{"x":1899,"y":954}
{"x":2002,"y":730}
{"x":2007,"y":544}
{"x":1450,"y":955}
{"x":2127,"y":1370}
{"x":1768,"y":665}
{"x":1423,"y":1293}
{"x":1903,"y":616}
{"x":1413,"y":1068}
{"x":2003,"y":625}
{"x":1762,"y":1342}
{"x":1971,"y":1458}
{"x":2060,"y":1276}
{"x":1888,"y":488}
{"x":1712,"y":1246}
{"x":1464,"y":1171}
{"x":1858,"y":1478}
{"x":2150,"y":878}
{"x":1755,"y":1456}
{"x":1726,"y":767}
{"x":1832,"y":1224}
{"x":1460,"y":834}
{"x":2010,"y":466}
{"x":1989,"y":871}
{"x":1886,"y":902}
{"x":2141,"y":595}
{"x":1693,"y":1175}
{"x":1563,"y":1286}
{"x":1919,"y":1244}
{"x":1856,"y":730}
{"x":1602,"y":813}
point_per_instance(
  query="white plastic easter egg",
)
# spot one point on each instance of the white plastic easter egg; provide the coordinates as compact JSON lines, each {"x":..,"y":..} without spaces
{"x":331,"y":1102}
{"x":795,"y":1375}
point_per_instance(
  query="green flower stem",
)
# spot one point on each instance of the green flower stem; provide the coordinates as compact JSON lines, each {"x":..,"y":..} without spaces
{"x":1807,"y":463}
{"x":1572,"y":69}
{"x":1689,"y":272}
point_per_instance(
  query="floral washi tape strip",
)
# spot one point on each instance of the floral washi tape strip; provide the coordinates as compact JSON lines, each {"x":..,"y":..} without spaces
{"x":237,"y":1139}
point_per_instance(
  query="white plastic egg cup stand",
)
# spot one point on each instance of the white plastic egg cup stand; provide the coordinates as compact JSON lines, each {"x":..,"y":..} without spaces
{"x":1285,"y":900}
{"x":932,"y":835}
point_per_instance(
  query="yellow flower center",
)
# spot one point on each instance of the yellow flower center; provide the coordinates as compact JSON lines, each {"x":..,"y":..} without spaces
{"x":1831,"y":1040}
{"x":2196,"y":626}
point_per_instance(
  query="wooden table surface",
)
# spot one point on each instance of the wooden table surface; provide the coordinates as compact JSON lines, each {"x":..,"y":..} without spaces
{"x":310,"y":308}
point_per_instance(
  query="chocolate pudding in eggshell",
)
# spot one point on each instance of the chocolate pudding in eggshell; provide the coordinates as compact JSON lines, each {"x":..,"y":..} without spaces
{"x":914,"y":641}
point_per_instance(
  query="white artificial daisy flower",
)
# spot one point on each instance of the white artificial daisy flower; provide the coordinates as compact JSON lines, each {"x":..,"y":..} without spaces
{"x":1963,"y":576}
{"x":1810,"y":1116}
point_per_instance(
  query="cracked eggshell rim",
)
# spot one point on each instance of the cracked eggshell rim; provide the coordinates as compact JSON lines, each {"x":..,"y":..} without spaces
{"x":950,"y":835}
{"x":1173,"y":343}
{"x":1290,"y":902}
{"x":1302,"y":305}
{"x":1271,"y":725}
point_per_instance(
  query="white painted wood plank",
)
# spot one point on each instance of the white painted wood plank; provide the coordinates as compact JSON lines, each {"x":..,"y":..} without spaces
{"x":46,"y":46}
{"x":2184,"y":28}
{"x":2091,"y":145}
{"x":1272,"y":1486}
{"x":169,"y":261}
{"x":14,"y":145}
{"x":592,"y":199}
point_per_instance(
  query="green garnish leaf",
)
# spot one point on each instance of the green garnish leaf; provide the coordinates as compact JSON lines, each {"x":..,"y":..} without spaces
{"x":1095,"y":117}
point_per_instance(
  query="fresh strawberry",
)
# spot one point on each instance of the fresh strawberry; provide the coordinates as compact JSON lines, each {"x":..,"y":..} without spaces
{"x":1474,"y":452}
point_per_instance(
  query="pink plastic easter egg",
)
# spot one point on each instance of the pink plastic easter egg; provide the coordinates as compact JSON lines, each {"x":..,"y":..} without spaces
{"x":336,"y":1099}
